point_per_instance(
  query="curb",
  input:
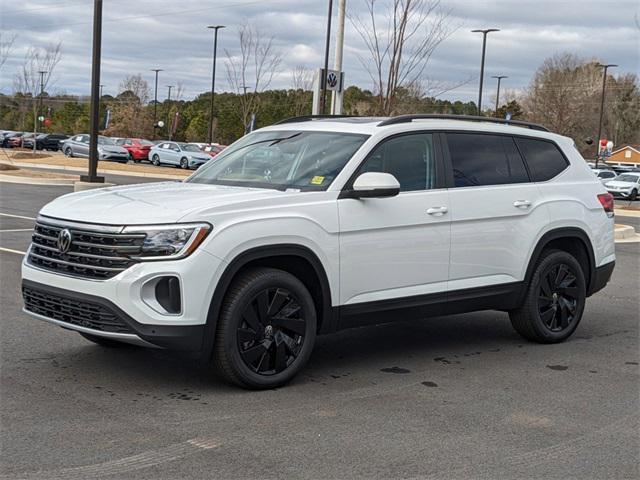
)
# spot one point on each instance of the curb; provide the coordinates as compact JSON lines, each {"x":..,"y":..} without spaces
{"x":626,"y":213}
{"x":122,"y":173}
{"x":37,"y":181}
{"x":625,"y":234}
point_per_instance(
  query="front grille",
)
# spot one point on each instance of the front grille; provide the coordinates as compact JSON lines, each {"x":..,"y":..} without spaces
{"x":72,"y":311}
{"x":92,"y":254}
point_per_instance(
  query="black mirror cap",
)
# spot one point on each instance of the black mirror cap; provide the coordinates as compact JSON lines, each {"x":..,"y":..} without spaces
{"x":374,"y":193}
{"x":588,"y":141}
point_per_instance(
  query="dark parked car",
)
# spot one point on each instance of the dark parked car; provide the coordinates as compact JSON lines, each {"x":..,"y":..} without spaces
{"x":50,"y":141}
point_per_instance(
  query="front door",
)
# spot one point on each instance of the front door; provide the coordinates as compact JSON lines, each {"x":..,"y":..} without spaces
{"x":394,"y":252}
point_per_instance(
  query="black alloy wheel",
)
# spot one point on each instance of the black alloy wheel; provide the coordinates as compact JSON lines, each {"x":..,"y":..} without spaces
{"x":558,"y":297}
{"x":554,"y":300}
{"x":266,"y":329}
{"x":272,"y":331}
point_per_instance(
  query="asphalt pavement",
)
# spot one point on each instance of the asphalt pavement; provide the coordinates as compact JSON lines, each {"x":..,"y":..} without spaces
{"x":457,"y":397}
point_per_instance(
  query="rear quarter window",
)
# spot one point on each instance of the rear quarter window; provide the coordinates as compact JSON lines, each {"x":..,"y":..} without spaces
{"x":544,"y":159}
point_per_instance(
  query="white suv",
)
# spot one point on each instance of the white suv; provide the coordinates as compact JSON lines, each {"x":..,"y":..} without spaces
{"x":319,"y":224}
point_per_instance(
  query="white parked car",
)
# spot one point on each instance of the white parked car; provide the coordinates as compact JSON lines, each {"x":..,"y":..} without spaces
{"x":315,"y":225}
{"x":183,"y":155}
{"x":625,"y":185}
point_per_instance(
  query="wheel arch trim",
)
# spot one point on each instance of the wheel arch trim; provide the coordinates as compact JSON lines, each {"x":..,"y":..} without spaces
{"x":574,"y":233}
{"x":263,"y":252}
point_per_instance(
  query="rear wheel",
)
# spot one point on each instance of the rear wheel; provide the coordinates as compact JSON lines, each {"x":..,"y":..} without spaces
{"x":266,"y":330}
{"x":555,"y":299}
{"x":155,"y":160}
{"x":105,"y":342}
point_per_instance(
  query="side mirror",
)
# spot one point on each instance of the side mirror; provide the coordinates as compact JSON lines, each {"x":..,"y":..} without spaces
{"x":374,"y":185}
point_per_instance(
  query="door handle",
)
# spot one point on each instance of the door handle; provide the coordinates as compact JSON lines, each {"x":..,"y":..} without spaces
{"x":437,"y":210}
{"x":522,"y":203}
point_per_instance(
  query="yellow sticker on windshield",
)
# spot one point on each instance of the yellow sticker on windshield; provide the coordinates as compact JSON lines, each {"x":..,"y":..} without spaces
{"x":317,"y":180}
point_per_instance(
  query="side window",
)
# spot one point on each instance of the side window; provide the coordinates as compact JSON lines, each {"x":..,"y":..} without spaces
{"x":544,"y":159}
{"x":409,"y":158}
{"x":480,"y":159}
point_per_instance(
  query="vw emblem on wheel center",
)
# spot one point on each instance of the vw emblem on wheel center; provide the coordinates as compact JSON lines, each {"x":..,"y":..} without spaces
{"x":64,"y":240}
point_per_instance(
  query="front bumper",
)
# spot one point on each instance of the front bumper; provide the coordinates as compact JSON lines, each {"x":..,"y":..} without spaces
{"x":126,"y":297}
{"x":68,"y":310}
{"x":620,"y":193}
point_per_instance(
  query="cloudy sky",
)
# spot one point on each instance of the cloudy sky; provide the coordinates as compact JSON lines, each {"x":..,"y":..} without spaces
{"x":139,"y":35}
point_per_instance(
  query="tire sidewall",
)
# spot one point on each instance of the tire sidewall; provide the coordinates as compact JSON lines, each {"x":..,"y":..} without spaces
{"x":548,"y":262}
{"x":270,"y":279}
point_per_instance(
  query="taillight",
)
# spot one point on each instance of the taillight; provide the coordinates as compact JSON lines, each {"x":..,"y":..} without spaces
{"x":606,"y":200}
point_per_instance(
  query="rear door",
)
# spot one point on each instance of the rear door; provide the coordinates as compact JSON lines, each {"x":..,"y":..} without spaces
{"x":496,"y":211}
{"x":394,"y":251}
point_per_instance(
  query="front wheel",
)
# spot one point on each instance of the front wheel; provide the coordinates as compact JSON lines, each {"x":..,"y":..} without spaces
{"x":266,"y":330}
{"x":68,"y":152}
{"x":184,"y":163}
{"x":634,"y":195}
{"x":554,"y":301}
{"x":155,"y":160}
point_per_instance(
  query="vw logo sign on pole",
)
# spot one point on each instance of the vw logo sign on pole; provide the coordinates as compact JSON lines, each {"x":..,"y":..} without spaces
{"x":332,"y":80}
{"x":64,"y":240}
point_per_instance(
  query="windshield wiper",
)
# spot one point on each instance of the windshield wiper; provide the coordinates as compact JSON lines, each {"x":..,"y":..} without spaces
{"x":273,"y":140}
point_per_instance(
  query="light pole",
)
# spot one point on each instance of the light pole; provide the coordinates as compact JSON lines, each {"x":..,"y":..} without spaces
{"x":215,"y":29}
{"x":484,"y":49}
{"x":499,"y":77}
{"x":323,"y":98}
{"x":604,"y":86}
{"x":37,"y":119}
{"x":92,"y":174}
{"x":169,"y":109}
{"x":155,"y":101}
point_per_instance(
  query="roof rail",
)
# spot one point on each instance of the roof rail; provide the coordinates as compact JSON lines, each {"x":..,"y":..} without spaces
{"x":308,"y":118}
{"x":466,"y":118}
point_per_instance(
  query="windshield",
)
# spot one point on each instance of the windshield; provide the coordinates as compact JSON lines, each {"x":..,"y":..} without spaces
{"x":190,"y":148}
{"x":281,"y":160}
{"x":146,"y":142}
{"x":625,"y":177}
{"x":105,"y":140}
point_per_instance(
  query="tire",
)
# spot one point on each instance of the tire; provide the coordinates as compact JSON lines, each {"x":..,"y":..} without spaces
{"x":634,"y":195}
{"x":155,"y":160}
{"x":554,"y":301}
{"x":266,"y":329}
{"x":184,"y":164}
{"x":105,"y":342}
{"x":68,"y":152}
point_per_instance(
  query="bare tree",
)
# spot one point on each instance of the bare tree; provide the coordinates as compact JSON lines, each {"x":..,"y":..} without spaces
{"x":128,"y":114}
{"x":6,"y":45}
{"x":252,"y":71}
{"x":35,"y":76}
{"x":302,"y":84}
{"x":399,"y":50}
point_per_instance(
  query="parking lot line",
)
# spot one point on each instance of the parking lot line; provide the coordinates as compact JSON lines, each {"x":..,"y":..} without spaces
{"x":15,"y":216}
{"x":10,"y":250}
{"x":16,"y":230}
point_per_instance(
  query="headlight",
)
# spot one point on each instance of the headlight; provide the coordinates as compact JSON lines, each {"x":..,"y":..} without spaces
{"x":169,"y":242}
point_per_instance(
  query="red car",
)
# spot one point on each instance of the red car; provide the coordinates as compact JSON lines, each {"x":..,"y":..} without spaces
{"x":213,"y":150}
{"x":15,"y":141}
{"x":138,"y":148}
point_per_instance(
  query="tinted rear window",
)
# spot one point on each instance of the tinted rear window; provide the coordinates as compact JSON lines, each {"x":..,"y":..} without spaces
{"x":544,"y":159}
{"x":480,"y":159}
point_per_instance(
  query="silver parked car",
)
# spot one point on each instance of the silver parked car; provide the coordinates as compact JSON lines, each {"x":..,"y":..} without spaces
{"x":184,"y":155}
{"x":78,"y":146}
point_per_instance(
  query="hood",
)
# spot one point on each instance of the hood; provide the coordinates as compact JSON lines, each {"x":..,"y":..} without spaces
{"x":149,"y":203}
{"x":619,"y":184}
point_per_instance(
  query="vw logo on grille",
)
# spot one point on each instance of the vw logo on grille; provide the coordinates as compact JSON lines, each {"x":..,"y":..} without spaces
{"x":64,"y":240}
